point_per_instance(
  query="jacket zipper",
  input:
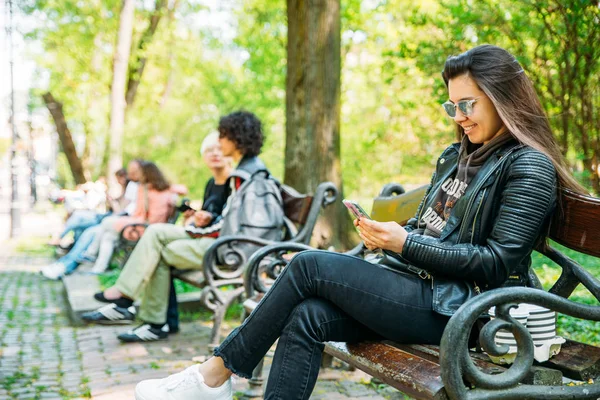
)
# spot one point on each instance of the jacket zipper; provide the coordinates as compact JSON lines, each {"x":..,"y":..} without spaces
{"x":490,"y":172}
{"x":476,"y":214}
{"x":475,"y":285}
{"x":472,"y":199}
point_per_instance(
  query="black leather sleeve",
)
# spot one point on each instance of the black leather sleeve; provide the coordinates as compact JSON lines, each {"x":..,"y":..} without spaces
{"x":527,"y":198}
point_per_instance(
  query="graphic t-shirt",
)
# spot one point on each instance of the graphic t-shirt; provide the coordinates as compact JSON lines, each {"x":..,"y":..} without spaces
{"x":454,"y":187}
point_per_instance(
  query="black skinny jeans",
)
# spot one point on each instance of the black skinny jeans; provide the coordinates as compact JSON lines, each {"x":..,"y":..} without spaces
{"x":323,"y":296}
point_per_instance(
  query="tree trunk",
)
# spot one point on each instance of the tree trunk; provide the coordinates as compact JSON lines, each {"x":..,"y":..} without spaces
{"x":64,"y":134}
{"x":137,"y":67}
{"x":117,"y":112}
{"x":170,"y":57}
{"x":313,"y":82}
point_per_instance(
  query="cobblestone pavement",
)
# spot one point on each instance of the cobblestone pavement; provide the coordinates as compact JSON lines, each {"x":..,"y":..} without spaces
{"x":43,"y":357}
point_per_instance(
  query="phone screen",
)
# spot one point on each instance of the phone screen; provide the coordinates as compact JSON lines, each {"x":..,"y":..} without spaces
{"x":356,"y":209}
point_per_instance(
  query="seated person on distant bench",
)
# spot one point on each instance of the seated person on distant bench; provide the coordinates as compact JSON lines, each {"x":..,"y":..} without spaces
{"x":69,"y":263}
{"x":82,"y":219}
{"x":155,"y":202}
{"x":146,"y":274}
{"x":488,"y":205}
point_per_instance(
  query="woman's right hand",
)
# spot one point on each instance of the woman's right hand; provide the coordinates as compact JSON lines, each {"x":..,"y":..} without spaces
{"x":381,"y":235}
{"x":202,"y":218}
{"x":188,"y":214}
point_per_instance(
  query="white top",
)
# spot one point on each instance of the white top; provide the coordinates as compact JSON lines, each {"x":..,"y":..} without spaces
{"x":131,"y":192}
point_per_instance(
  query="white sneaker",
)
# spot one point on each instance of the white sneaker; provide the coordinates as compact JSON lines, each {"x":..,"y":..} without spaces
{"x":54,"y":271}
{"x":185,"y":385}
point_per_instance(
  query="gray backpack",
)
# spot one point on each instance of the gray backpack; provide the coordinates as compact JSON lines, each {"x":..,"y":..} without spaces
{"x":256,"y":210}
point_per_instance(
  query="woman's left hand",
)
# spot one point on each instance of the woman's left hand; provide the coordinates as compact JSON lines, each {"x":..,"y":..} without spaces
{"x":382,"y":235}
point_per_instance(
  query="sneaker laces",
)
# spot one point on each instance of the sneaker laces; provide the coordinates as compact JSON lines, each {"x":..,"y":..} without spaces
{"x":181,"y":380}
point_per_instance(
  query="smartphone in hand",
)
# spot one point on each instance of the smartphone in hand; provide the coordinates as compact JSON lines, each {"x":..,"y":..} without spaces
{"x":356,"y":209}
{"x":185,"y":207}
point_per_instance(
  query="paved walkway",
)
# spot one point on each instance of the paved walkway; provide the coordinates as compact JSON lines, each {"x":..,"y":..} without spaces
{"x":43,"y":357}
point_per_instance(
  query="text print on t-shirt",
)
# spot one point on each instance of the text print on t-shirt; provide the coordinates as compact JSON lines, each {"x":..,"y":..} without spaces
{"x":435,"y":217}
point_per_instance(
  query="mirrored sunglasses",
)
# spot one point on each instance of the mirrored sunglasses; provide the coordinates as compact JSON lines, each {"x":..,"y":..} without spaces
{"x":465,"y":107}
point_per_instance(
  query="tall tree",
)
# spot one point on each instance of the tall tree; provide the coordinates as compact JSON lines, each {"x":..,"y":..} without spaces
{"x":120,"y":64}
{"x":64,"y":135}
{"x":136,"y":68}
{"x":313,"y":83}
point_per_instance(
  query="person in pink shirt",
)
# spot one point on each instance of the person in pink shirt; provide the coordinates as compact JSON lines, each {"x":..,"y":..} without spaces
{"x":155,"y":202}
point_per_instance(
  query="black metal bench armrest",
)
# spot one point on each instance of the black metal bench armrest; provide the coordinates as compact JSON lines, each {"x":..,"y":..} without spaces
{"x":252,"y":281}
{"x":457,"y":365}
{"x":357,"y":251}
{"x":233,"y":260}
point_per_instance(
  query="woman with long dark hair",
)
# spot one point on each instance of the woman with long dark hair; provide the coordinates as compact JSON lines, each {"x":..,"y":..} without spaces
{"x":154,"y":204}
{"x":486,"y":208}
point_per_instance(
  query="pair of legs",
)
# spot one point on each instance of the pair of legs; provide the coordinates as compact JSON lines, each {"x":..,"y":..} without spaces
{"x":69,"y":263}
{"x":103,"y":245}
{"x":319,"y":297}
{"x":147,"y":275}
{"x":78,"y":222}
{"x":74,"y":257}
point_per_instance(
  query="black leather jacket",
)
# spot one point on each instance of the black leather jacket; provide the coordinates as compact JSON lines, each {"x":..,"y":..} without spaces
{"x":492,"y":229}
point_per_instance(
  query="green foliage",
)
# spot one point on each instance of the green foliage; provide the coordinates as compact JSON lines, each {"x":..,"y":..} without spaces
{"x":392,"y":127}
{"x":548,"y":272}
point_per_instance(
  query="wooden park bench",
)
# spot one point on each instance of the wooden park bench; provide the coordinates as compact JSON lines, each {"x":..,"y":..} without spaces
{"x":452,"y":370}
{"x":224,"y":262}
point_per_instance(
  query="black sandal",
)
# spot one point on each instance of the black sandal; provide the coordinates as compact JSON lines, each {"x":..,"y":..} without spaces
{"x":122,"y":302}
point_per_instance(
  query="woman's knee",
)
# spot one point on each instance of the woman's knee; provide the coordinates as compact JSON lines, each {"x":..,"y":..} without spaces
{"x":310,"y":316}
{"x":151,"y":230}
{"x":305,"y":260}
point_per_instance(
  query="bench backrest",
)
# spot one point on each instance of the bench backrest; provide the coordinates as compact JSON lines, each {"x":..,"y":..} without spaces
{"x":303,"y":210}
{"x":578,"y":225}
{"x":400,"y":207}
{"x":296,"y":205}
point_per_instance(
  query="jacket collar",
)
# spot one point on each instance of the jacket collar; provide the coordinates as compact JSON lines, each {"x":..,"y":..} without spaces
{"x":251,"y":164}
{"x":478,"y":182}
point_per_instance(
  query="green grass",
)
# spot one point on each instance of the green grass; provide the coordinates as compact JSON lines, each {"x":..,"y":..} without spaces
{"x":548,"y":272}
{"x":108,"y":279}
{"x":35,"y":246}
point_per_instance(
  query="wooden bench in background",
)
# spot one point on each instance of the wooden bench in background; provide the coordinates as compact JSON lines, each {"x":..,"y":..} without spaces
{"x":440,"y":372}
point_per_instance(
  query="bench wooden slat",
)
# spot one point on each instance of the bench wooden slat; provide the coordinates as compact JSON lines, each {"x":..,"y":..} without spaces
{"x":411,"y":374}
{"x":537,"y":376}
{"x":433,"y":354}
{"x":577,"y":361}
{"x":577,"y":226}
